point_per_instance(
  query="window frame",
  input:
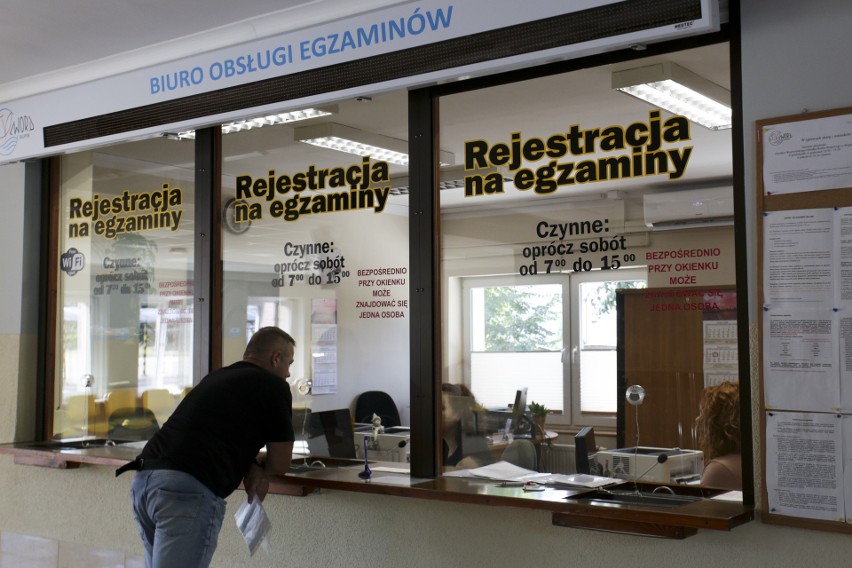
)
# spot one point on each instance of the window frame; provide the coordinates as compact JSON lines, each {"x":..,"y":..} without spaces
{"x":578,"y":417}
{"x":468,"y":283}
{"x":572,"y":416}
{"x":425,"y":321}
{"x":206,"y":240}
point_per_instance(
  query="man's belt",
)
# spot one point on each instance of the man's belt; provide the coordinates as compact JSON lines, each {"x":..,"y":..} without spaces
{"x":140,"y":464}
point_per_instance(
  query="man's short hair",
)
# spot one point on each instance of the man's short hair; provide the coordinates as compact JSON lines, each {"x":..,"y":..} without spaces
{"x":268,"y":339}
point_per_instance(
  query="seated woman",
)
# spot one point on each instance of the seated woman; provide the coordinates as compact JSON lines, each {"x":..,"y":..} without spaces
{"x":463,"y":447}
{"x":718,"y":426}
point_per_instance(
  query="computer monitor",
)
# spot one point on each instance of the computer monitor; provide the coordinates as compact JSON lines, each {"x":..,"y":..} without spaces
{"x":521,"y":423}
{"x":584,"y":445}
{"x":330,"y":434}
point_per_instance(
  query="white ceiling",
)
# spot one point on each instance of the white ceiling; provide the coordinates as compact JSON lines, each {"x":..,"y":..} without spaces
{"x":45,"y":43}
{"x":44,"y":36}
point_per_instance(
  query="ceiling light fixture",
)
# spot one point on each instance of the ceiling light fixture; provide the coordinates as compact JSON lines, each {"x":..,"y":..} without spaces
{"x":450,"y":178}
{"x":679,"y":91}
{"x":342,"y":138}
{"x":261,"y":121}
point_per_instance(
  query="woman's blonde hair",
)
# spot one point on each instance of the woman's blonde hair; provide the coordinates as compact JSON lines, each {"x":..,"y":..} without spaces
{"x":718,"y":423}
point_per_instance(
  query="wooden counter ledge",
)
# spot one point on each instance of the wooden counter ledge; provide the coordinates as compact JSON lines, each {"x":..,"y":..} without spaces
{"x":567,"y":506}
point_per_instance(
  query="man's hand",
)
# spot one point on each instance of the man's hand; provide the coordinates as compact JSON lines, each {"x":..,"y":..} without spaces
{"x":277,"y":462}
{"x":256,"y":483}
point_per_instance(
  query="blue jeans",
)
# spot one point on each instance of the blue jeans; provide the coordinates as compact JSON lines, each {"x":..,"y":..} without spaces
{"x":178,"y":518}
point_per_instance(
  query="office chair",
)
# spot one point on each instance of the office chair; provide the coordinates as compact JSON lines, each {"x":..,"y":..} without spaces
{"x":379,"y":403}
{"x":120,"y":398}
{"x":83,"y":416}
{"x":522,"y":454}
{"x":160,"y":402}
{"x":132,"y":424}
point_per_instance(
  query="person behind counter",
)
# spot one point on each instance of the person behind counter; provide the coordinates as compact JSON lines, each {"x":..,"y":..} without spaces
{"x":718,"y":426}
{"x":463,"y":447}
{"x":208,"y":445}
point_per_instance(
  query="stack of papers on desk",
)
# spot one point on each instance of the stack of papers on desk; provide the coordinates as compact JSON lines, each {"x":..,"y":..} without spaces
{"x":505,"y":471}
{"x":578,"y":480}
{"x":500,"y":471}
{"x":736,"y":496}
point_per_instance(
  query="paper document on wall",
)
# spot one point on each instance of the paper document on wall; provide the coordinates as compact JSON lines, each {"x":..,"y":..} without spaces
{"x":807,"y":155}
{"x":801,"y":362}
{"x":804,"y":465}
{"x":843,"y":302}
{"x":847,"y":468}
{"x":798,"y":258}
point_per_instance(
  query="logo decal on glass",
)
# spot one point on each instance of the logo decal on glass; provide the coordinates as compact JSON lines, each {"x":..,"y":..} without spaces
{"x":72,"y":262}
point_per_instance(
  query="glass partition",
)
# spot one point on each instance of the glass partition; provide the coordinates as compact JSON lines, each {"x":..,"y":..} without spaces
{"x":125,"y":306}
{"x":315,"y":216}
{"x":566,"y":194}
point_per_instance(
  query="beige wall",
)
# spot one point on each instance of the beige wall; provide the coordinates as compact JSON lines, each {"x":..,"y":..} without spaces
{"x":90,"y":507}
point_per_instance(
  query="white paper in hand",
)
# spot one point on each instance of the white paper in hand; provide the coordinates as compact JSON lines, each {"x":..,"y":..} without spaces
{"x":254,"y":525}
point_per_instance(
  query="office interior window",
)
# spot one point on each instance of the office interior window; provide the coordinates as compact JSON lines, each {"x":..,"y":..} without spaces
{"x":593,"y":353}
{"x":524,"y":327}
{"x":515,"y":329}
{"x":125,"y":308}
{"x":563,"y":192}
{"x":315,"y":241}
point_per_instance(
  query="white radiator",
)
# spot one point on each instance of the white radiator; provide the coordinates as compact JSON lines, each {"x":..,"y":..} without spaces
{"x":557,"y":458}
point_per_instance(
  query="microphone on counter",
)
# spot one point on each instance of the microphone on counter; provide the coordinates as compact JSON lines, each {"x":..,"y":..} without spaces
{"x":367,"y":473}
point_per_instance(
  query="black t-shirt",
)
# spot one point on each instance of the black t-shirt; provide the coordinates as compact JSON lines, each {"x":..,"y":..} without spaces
{"x":216,"y":431}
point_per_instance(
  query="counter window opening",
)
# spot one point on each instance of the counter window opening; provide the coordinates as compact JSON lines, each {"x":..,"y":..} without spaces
{"x":313,"y":239}
{"x":125,"y":289}
{"x":559,"y":277}
{"x":321,"y":250}
{"x":547,"y":190}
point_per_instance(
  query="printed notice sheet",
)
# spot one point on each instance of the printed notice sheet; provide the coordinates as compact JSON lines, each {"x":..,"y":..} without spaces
{"x":807,"y":155}
{"x":843,"y":302}
{"x":847,"y":468}
{"x":801,"y":321}
{"x":845,"y":348}
{"x":800,"y":360}
{"x":843,"y":248}
{"x":804,"y":465}
{"x":798,"y":263}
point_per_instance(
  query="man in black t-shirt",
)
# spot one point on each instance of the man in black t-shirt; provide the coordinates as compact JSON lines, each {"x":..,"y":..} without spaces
{"x":208,"y":446}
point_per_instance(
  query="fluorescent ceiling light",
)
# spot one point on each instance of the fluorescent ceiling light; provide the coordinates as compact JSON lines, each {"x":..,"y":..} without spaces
{"x":344,"y":138}
{"x":450,"y":178}
{"x":261,"y":121}
{"x":679,"y":91}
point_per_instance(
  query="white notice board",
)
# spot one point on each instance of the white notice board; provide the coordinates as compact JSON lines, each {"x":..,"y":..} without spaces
{"x":804,"y":228}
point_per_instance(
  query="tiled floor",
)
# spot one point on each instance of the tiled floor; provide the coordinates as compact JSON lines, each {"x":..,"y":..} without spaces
{"x":24,"y":551}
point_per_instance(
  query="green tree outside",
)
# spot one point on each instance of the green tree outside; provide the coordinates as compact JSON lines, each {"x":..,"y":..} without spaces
{"x":517,"y":318}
